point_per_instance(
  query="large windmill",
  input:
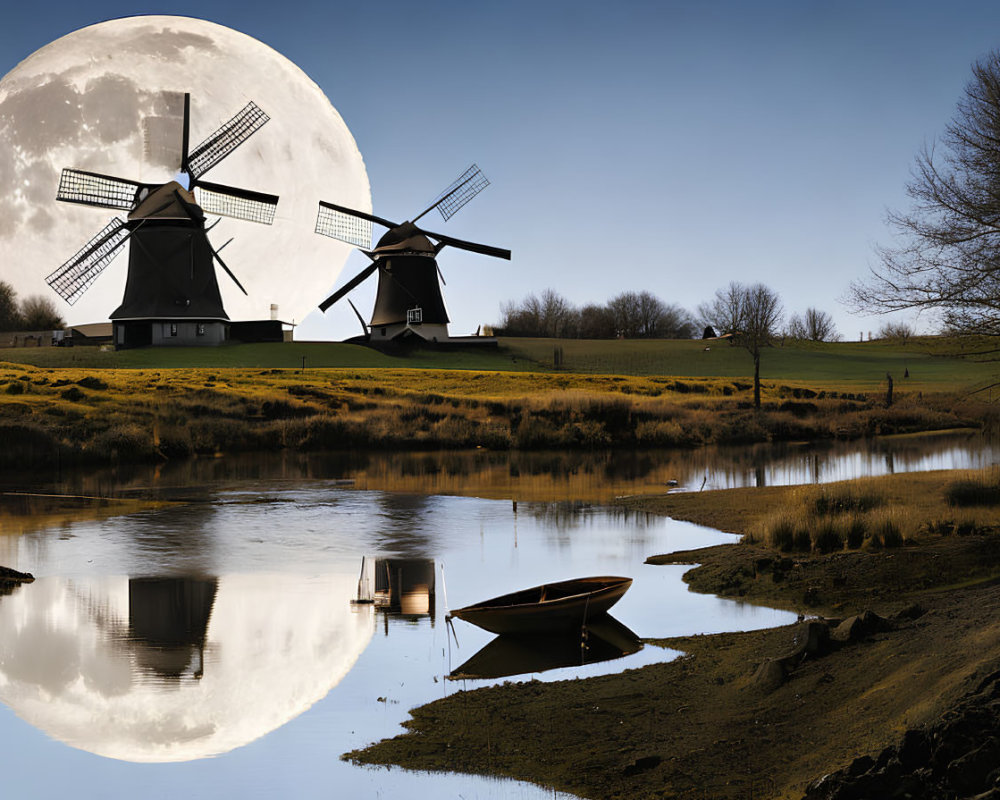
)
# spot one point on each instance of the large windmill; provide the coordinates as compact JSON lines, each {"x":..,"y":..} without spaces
{"x":408,"y":301}
{"x":171,"y":292}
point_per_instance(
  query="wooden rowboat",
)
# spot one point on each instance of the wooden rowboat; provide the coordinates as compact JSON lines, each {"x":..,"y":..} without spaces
{"x":562,"y":606}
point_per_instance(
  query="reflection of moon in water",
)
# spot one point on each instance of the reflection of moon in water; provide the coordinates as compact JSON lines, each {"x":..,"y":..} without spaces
{"x":80,"y":102}
{"x":275,"y":645}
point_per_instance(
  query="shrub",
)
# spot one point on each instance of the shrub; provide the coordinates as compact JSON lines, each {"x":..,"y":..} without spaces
{"x":856,"y":530}
{"x":827,"y":536}
{"x":780,"y":533}
{"x":885,"y":532}
{"x":15,"y":387}
{"x":972,"y":492}
{"x":73,"y":394}
{"x":26,"y":442}
{"x":845,"y":499}
{"x":123,"y":443}
{"x":966,"y":525}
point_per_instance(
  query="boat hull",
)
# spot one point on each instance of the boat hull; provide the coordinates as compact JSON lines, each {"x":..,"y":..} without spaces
{"x":505,"y":656}
{"x":562,"y":606}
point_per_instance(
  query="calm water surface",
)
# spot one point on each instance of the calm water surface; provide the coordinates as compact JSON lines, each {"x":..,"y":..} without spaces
{"x":211,"y":648}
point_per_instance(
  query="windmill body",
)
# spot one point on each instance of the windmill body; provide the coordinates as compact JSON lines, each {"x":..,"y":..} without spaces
{"x":409,"y":292}
{"x":408,"y":304}
{"x":172,"y":295}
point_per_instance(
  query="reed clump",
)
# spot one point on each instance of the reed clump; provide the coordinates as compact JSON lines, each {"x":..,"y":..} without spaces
{"x":978,"y":490}
{"x":828,"y":519}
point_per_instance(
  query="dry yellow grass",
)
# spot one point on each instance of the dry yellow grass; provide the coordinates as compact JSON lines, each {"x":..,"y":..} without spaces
{"x":144,"y":414}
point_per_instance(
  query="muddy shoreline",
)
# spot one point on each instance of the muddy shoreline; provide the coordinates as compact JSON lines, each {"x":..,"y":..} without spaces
{"x":760,"y":714}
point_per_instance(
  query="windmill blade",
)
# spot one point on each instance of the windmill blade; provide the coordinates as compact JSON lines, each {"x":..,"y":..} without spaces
{"x":364,"y":325}
{"x":229,"y":201}
{"x":74,"y":277}
{"x":93,"y":189}
{"x":186,"y":134}
{"x":461,"y":244}
{"x":351,"y":228}
{"x":221,"y":143}
{"x":359,"y":214}
{"x":347,"y":287}
{"x":469,"y":184}
{"x":229,"y":272}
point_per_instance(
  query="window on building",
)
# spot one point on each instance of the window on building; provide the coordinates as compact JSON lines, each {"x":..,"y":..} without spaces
{"x":414,"y":316}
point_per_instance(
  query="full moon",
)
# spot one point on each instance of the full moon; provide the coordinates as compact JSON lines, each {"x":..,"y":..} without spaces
{"x":81,"y":102}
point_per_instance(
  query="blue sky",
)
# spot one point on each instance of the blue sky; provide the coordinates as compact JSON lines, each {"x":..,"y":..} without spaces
{"x":662,"y":146}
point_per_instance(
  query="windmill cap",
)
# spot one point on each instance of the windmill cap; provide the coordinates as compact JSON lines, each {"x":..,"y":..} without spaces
{"x":405,"y":238}
{"x":163,"y":202}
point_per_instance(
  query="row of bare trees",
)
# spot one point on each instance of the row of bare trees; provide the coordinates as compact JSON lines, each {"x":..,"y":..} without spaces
{"x":632,"y":315}
{"x":33,"y":313}
{"x":642,"y":315}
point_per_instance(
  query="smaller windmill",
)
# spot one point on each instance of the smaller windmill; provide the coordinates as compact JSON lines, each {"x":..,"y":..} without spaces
{"x":408,"y":301}
{"x":171,"y":292}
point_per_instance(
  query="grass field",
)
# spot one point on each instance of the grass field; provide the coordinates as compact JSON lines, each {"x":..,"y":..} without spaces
{"x":932,"y":363}
{"x":270,"y":356}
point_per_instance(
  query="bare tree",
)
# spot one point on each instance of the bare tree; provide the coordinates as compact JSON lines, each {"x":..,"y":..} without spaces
{"x":796,"y":328}
{"x":625,"y":310}
{"x":39,"y":313}
{"x":814,"y":326}
{"x":558,"y":317}
{"x":759,"y":318}
{"x":675,"y":323}
{"x":723,"y":311}
{"x":549,"y":315}
{"x":820,"y":327}
{"x":895,"y":330}
{"x":10,"y":314}
{"x":948,"y":257}
{"x":596,"y":322}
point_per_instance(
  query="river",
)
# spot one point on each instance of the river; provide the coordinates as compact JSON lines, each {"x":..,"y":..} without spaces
{"x":209,"y":645}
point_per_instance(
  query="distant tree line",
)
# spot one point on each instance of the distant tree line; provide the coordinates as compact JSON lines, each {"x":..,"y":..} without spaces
{"x":630,"y":315}
{"x":33,"y":313}
{"x":642,"y":315}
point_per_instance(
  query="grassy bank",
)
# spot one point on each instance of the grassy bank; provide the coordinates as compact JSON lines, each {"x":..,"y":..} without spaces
{"x":760,"y":714}
{"x":72,"y":414}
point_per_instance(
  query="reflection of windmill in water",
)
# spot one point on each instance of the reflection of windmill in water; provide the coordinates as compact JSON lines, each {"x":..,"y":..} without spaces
{"x":171,"y":293}
{"x":168,"y":624}
{"x":398,"y":586}
{"x":408,"y":302}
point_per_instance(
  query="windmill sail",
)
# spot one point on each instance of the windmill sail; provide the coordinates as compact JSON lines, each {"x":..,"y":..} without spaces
{"x":350,"y":228}
{"x":349,"y":286}
{"x":230,"y":136}
{"x":472,"y":247}
{"x":74,"y":277}
{"x":468,"y":185}
{"x":229,"y":201}
{"x":93,"y":189}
